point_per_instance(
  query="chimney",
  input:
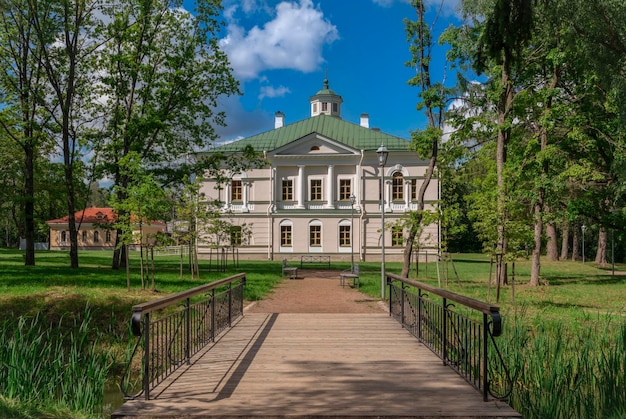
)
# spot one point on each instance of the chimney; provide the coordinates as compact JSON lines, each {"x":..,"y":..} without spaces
{"x":279,"y":120}
{"x":365,"y":120}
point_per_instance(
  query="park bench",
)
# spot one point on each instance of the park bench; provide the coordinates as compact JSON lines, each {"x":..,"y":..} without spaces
{"x":314,"y":260}
{"x":290,"y":271}
{"x":353,"y":275}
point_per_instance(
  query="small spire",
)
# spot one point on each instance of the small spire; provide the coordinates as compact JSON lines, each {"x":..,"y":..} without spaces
{"x":326,"y":79}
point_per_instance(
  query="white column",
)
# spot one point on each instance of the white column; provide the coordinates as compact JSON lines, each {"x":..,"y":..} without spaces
{"x":273,"y":194}
{"x":245,"y":185}
{"x":330,"y":189}
{"x":407,"y":194}
{"x":227,"y":192}
{"x":301,"y":186}
{"x":357,"y":186}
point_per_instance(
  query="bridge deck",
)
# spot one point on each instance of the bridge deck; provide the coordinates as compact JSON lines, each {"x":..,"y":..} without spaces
{"x":316,"y":365}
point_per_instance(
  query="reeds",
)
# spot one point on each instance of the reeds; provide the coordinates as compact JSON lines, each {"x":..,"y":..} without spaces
{"x":562,"y":371}
{"x":53,"y":365}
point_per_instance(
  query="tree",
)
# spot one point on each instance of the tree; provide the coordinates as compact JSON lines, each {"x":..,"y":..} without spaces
{"x":144,"y":201}
{"x":65,"y":30}
{"x":433,"y":97}
{"x":21,"y":91}
{"x":164,"y":73}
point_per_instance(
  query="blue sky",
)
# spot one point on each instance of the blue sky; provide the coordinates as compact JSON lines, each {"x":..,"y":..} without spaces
{"x":280,"y":51}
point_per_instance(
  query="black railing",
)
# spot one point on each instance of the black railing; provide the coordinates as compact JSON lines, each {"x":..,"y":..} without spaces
{"x":168,"y":336}
{"x":463,"y":337}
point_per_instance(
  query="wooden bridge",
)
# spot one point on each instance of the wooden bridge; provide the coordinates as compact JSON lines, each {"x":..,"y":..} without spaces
{"x":312,"y":364}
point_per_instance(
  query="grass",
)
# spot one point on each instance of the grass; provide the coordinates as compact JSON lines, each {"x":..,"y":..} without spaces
{"x":576,"y":318}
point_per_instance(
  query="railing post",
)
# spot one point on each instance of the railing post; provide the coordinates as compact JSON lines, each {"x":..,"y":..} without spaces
{"x":188,"y":330}
{"x":146,"y":356}
{"x":230,"y":304}
{"x":402,"y":296}
{"x":419,"y":314}
{"x":485,"y":358}
{"x":213,"y":315}
{"x":444,"y":332}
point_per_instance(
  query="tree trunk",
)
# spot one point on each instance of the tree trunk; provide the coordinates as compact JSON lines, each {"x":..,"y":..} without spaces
{"x":565,"y":242}
{"x":575,"y":245}
{"x":602,"y":244}
{"x":552,"y":248}
{"x":536,"y":257}
{"x":29,"y":204}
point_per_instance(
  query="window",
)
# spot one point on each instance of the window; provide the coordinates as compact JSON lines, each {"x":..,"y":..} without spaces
{"x":397,"y":187}
{"x":397,"y":238}
{"x":63,"y":236}
{"x":84,"y":234}
{"x":96,"y":236}
{"x":235,"y":235}
{"x":285,"y":236}
{"x":236,"y":190}
{"x":316,"y":189}
{"x":335,"y":107}
{"x":315,"y":108}
{"x":107,"y":236}
{"x":344,"y":235}
{"x":345,"y":189}
{"x":324,"y":106}
{"x":413,"y":189}
{"x":315,"y":235}
{"x":287,"y":190}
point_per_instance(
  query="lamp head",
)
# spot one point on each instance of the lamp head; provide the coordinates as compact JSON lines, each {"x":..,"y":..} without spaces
{"x":382,"y":155}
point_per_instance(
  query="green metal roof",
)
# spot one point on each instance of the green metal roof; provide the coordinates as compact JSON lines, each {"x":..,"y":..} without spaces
{"x":352,"y":135}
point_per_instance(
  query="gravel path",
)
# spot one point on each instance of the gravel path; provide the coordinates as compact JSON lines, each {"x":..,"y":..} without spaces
{"x":316,"y":291}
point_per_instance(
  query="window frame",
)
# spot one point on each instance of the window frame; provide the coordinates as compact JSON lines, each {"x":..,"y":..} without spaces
{"x":316,"y":193}
{"x":236,"y":190}
{"x":397,"y":186}
{"x":287,"y":192}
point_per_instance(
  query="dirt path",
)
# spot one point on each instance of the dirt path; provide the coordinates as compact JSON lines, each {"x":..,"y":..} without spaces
{"x":316,"y":291}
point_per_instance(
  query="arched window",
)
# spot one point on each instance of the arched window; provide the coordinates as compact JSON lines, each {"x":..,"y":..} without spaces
{"x":397,"y":187}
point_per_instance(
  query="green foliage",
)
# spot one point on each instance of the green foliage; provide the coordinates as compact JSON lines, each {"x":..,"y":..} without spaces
{"x":41,"y":364}
{"x":562,"y":373}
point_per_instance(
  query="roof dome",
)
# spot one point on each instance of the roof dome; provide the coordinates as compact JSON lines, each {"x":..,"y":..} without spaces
{"x":326,"y":101}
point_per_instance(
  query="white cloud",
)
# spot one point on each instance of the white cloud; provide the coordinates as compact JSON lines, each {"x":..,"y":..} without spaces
{"x":270,"y":91}
{"x":292,"y":40}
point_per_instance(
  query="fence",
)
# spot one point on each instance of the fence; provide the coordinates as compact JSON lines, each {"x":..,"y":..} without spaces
{"x":169,"y":336}
{"x":463,"y":337}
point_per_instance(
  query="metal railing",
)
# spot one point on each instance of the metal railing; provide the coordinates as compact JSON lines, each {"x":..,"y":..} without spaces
{"x":173,"y":329}
{"x":463,"y":337}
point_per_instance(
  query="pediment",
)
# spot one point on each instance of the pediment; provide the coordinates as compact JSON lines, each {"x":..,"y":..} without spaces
{"x":312,"y":145}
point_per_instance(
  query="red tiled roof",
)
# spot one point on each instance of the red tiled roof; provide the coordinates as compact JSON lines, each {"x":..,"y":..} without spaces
{"x":93,"y":215}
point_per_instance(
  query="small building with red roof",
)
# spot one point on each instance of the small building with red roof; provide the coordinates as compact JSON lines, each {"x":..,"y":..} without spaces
{"x":95,"y":230}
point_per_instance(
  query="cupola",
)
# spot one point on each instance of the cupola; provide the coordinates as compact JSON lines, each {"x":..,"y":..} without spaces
{"x":326,"y":102}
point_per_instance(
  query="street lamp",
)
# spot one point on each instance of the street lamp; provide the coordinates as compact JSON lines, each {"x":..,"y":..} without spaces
{"x":583,"y":228}
{"x":352,"y":201}
{"x":382,"y":159}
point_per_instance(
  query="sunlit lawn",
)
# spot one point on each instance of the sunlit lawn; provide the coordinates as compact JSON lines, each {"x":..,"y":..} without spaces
{"x":569,"y":290}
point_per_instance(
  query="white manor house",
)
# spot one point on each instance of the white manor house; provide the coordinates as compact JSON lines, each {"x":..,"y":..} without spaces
{"x":320,"y":194}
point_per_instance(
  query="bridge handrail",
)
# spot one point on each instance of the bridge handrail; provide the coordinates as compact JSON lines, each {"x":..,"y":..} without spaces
{"x":460,"y":341}
{"x":177,"y":335}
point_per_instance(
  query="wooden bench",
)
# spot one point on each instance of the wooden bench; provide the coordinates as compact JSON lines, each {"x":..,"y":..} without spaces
{"x":290,"y":271}
{"x":314,"y":260}
{"x":354,"y":275}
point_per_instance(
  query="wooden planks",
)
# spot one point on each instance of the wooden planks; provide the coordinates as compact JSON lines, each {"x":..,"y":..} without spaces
{"x":317,"y":365}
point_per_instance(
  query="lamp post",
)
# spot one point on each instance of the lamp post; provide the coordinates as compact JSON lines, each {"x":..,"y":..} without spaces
{"x":382,"y":159}
{"x":583,"y":228}
{"x":352,"y":201}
